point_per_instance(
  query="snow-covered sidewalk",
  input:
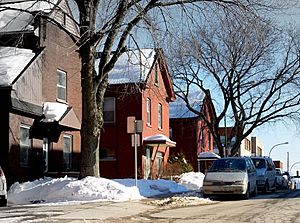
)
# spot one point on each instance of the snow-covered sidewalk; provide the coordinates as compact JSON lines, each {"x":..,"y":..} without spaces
{"x":66,"y":189}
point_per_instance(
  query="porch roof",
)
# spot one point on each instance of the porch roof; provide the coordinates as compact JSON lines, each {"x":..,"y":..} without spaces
{"x":62,"y":113}
{"x":208,"y":156}
{"x":158,"y":140}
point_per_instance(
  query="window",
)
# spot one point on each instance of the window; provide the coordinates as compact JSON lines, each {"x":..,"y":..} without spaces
{"x":148,"y":109}
{"x":25,"y":145}
{"x":67,"y":152}
{"x":156,"y":74}
{"x":159,"y":116}
{"x":109,"y":110}
{"x":61,"y":85}
{"x":159,"y":161}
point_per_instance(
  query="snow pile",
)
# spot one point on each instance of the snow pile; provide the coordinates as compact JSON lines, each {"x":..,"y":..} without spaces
{"x":68,"y":189}
{"x":182,"y":200}
{"x":192,"y":180}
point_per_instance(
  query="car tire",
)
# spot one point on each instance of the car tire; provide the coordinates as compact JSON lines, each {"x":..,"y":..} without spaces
{"x":3,"y":202}
{"x":266,"y":187}
{"x":246,"y":196}
{"x":255,"y":191}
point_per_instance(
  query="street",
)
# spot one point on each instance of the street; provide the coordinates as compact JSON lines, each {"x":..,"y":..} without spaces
{"x":283,"y":206}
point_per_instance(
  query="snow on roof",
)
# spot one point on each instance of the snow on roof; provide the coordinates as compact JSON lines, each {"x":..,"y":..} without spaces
{"x":53,"y":111}
{"x":159,"y":138}
{"x":132,"y":67}
{"x":14,"y":19}
{"x":12,"y":62}
{"x":210,"y":155}
{"x":178,"y":109}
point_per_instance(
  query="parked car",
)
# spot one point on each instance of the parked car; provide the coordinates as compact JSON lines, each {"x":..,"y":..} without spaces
{"x":230,"y":175}
{"x":288,"y":179}
{"x":279,"y":179}
{"x":266,"y":174}
{"x":3,"y":189}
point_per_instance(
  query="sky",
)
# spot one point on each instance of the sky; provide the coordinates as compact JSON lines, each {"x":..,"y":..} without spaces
{"x":273,"y":134}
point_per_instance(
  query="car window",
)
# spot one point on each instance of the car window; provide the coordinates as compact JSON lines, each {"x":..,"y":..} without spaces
{"x":259,"y":163}
{"x":228,"y":165}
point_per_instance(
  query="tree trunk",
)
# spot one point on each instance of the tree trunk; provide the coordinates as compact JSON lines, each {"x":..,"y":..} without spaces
{"x":91,"y":117}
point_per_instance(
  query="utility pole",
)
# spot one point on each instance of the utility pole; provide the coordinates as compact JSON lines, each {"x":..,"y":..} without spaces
{"x":288,"y":161}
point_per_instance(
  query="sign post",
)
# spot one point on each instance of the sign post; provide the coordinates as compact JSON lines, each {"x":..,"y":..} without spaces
{"x":134,"y":127}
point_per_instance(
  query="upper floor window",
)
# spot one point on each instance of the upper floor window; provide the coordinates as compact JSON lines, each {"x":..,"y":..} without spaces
{"x":159,"y":116}
{"x":25,"y":144}
{"x":156,"y":74}
{"x":67,"y":152}
{"x":109,"y":109}
{"x":61,"y":85}
{"x":148,"y":110}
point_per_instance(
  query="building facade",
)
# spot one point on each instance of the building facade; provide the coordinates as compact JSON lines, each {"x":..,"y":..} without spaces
{"x":40,"y":119}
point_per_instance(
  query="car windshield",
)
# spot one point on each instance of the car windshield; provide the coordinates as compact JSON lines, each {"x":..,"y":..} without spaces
{"x":259,"y":163}
{"x":228,"y":165}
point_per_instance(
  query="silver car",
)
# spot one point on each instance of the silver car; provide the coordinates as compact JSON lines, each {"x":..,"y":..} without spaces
{"x":3,"y":189}
{"x":230,"y":175}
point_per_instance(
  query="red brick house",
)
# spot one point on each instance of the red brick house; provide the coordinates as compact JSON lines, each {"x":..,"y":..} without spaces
{"x":39,"y":81}
{"x":139,"y":86}
{"x":191,"y":133}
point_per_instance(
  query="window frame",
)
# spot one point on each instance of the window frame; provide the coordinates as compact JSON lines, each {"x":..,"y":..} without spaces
{"x":59,"y":86}
{"x":24,"y":146}
{"x":159,"y":117}
{"x":68,"y":154}
{"x":148,"y":110}
{"x":113,"y":110}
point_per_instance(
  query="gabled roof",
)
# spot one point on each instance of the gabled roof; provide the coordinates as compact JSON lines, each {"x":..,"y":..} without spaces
{"x":12,"y":62}
{"x":178,"y":109}
{"x":133,"y":66}
{"x":17,"y":15}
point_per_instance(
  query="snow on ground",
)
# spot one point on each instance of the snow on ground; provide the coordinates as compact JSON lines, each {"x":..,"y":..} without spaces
{"x":67,"y":189}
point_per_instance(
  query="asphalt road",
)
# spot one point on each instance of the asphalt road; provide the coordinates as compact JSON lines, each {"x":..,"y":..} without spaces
{"x":282,"y":206}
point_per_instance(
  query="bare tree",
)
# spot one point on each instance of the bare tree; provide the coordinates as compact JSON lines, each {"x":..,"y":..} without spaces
{"x":251,"y":68}
{"x":107,"y":25}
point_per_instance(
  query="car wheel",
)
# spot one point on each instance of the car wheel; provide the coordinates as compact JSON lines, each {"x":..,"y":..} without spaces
{"x":274,"y":188}
{"x":247,"y":194}
{"x":255,"y":191}
{"x":266,"y":187}
{"x":3,"y":202}
{"x":205,"y":195}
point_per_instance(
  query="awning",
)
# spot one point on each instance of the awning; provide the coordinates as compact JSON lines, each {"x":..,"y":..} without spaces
{"x":158,"y":140}
{"x":61,"y":113}
{"x":57,"y":117}
{"x":208,"y":156}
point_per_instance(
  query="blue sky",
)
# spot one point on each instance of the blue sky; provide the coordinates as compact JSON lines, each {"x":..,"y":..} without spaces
{"x":273,"y":134}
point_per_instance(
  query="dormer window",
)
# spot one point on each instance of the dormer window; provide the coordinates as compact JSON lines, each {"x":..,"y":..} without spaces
{"x":61,"y":85}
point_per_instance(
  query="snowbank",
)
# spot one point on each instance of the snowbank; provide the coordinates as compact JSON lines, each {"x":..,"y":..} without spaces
{"x":67,"y":189}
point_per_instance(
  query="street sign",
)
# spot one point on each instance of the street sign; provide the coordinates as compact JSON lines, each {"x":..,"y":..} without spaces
{"x":130,"y":124}
{"x":138,"y":140}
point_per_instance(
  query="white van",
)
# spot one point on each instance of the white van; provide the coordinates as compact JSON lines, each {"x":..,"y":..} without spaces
{"x":3,"y":189}
{"x":266,"y":173}
{"x":230,"y":175}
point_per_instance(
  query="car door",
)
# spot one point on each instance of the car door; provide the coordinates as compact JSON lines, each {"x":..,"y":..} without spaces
{"x":271,"y":172}
{"x":251,"y":174}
